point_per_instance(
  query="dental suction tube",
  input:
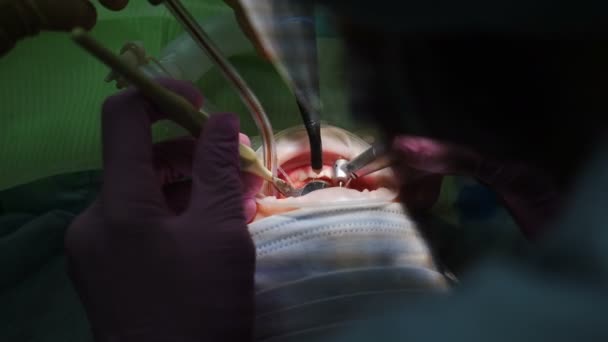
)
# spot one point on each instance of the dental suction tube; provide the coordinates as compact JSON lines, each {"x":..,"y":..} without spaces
{"x":310,"y":116}
{"x":312,"y":123}
{"x":286,"y":29}
{"x":303,"y":32}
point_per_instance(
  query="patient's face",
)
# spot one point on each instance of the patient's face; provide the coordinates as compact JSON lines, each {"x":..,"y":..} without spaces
{"x":335,"y":229}
{"x":327,"y":232}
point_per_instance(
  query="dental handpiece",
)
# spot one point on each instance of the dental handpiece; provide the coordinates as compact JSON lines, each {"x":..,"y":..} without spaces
{"x":181,"y":110}
{"x":369,"y":161}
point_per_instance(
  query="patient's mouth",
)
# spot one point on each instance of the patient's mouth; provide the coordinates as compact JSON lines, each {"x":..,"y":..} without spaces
{"x":294,"y":163}
{"x":298,"y":171}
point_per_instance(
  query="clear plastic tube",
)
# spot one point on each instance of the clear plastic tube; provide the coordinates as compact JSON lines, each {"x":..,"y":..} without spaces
{"x":184,"y":59}
{"x":247,"y":96}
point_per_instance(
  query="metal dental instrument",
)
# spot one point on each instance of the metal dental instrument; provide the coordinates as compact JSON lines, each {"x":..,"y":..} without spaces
{"x":310,"y":187}
{"x":182,"y":111}
{"x":313,"y":186}
{"x":181,"y":14}
{"x":369,"y":161}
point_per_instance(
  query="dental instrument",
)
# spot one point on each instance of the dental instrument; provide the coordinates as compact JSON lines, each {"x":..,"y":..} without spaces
{"x":182,"y":58}
{"x":375,"y":158}
{"x":180,"y":109}
{"x":307,"y":39}
{"x":312,"y":122}
{"x":313,"y":186}
{"x":286,"y":29}
{"x":181,"y":14}
{"x":340,"y":175}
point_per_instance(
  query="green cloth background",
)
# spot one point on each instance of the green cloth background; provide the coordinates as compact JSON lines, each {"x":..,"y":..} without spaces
{"x":51,"y":92}
{"x":37,"y":300}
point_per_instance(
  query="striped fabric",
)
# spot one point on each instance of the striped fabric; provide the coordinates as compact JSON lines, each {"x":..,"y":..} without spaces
{"x":319,"y":267}
{"x":286,"y":30}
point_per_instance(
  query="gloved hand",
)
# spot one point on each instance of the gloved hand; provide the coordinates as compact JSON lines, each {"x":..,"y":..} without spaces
{"x":173,"y":162}
{"x":423,"y":162}
{"x":145,"y":272}
{"x":20,"y":19}
{"x":528,"y":193}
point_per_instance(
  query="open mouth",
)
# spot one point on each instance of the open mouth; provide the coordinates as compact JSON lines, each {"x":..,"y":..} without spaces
{"x":299,"y":173}
{"x":294,"y":162}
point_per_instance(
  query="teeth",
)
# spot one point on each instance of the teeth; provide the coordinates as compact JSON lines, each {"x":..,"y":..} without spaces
{"x":301,"y":175}
{"x":324,"y":173}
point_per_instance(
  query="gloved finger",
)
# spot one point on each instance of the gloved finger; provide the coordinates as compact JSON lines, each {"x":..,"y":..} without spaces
{"x":216,"y":183}
{"x":130,"y":179}
{"x":66,"y":14}
{"x":115,"y":5}
{"x":80,"y":237}
{"x":419,"y":189}
{"x":173,"y":159}
{"x":251,"y":186}
{"x":183,"y":88}
{"x":434,"y":156}
{"x":420,"y":193}
{"x":173,"y":163}
{"x":422,"y":153}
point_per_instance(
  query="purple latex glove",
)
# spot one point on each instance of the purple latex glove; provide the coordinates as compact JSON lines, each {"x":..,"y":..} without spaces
{"x":528,"y":193}
{"x":173,"y":161}
{"x":145,"y":272}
